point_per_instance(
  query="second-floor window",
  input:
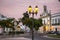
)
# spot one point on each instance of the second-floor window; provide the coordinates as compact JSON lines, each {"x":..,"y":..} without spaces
{"x":58,"y":20}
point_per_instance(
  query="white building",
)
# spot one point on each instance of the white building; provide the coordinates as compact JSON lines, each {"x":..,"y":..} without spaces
{"x":50,"y":21}
{"x":55,"y":21}
{"x":2,"y":17}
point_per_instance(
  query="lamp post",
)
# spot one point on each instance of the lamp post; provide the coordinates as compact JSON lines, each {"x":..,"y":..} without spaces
{"x":50,"y":19}
{"x":35,"y":11}
{"x":50,"y":22}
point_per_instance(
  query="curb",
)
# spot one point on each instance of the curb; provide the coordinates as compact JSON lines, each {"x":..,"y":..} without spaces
{"x":50,"y":37}
{"x":17,"y":38}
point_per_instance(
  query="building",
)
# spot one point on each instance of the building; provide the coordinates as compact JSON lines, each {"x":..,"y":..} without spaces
{"x":2,"y":17}
{"x":55,"y":21}
{"x":6,"y":29}
{"x":51,"y":22}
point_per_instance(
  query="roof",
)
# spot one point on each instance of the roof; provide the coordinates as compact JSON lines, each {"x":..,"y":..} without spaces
{"x":55,"y":14}
{"x":2,"y":17}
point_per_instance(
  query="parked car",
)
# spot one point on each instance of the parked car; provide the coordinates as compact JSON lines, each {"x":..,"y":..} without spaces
{"x":54,"y":32}
{"x":51,"y":32}
{"x":58,"y":32}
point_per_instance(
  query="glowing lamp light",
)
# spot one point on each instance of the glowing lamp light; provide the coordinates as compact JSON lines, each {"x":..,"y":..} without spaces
{"x":30,"y":9}
{"x":46,"y":28}
{"x":36,"y":9}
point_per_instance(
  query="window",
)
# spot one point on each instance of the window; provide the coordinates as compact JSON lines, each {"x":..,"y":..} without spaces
{"x":58,"y":20}
{"x":43,"y":21}
{"x":52,"y":21}
{"x":55,"y":21}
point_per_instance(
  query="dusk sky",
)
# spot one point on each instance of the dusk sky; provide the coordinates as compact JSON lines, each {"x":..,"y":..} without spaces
{"x":15,"y":8}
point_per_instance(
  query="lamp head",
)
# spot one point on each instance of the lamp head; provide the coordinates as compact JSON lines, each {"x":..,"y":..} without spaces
{"x":29,"y":9}
{"x":36,"y":10}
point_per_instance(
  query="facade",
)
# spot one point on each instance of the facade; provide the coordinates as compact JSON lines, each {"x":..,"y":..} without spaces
{"x":55,"y":21}
{"x":46,"y":20}
{"x":51,"y":22}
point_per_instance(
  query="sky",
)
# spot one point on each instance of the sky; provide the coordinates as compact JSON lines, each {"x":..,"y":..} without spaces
{"x":16,"y":8}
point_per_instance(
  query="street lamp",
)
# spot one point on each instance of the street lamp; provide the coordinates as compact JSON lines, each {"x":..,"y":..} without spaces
{"x":35,"y":11}
{"x":29,"y":9}
{"x":50,"y":19}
